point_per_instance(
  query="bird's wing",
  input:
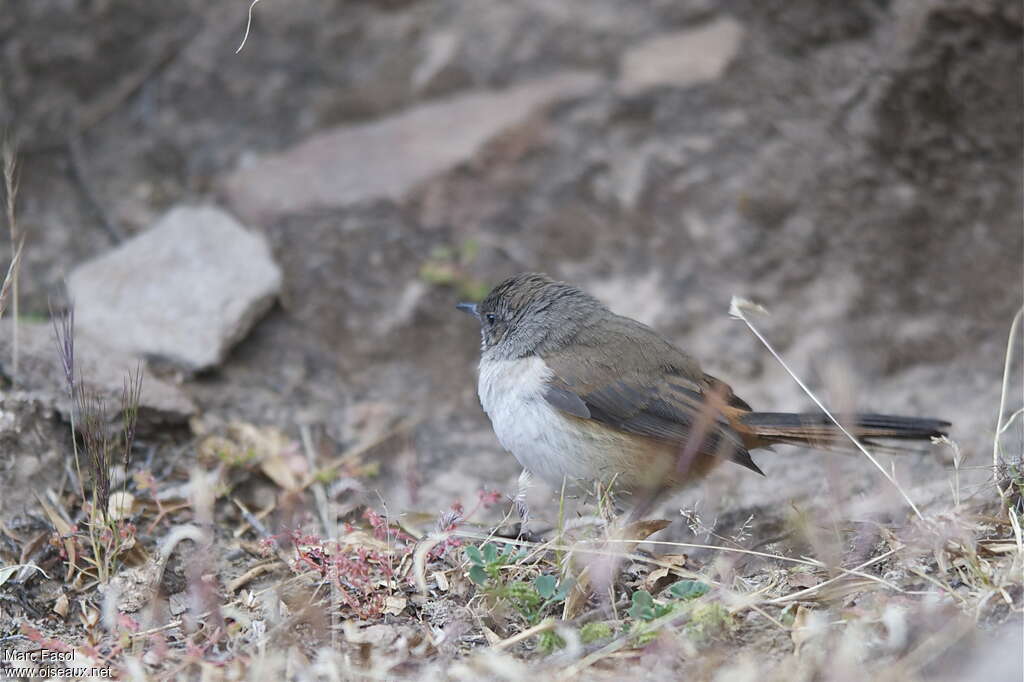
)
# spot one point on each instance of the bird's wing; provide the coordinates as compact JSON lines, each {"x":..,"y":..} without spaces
{"x":725,"y":391}
{"x":657,"y":391}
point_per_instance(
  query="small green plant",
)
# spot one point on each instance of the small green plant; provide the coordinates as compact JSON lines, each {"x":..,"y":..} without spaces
{"x":531,"y":600}
{"x":593,"y":632}
{"x":688,"y":589}
{"x":707,"y":621}
{"x":644,"y":610}
{"x":488,"y":562}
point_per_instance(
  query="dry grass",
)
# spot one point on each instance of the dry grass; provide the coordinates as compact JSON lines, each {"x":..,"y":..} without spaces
{"x":9,"y":288}
{"x":9,"y":291}
{"x":262,"y":557}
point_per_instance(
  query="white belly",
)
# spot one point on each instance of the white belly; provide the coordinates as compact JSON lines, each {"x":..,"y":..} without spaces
{"x":547,"y":443}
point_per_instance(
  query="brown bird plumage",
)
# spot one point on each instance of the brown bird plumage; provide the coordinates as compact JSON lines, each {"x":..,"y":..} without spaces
{"x":641,"y":410}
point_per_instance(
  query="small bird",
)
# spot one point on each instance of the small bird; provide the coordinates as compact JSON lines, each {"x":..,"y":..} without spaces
{"x":580,"y":395}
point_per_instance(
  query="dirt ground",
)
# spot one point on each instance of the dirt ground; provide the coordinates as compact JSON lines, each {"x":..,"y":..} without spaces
{"x":853,"y":167}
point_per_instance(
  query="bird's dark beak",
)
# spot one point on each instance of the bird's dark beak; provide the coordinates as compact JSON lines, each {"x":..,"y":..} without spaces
{"x":471,"y":308}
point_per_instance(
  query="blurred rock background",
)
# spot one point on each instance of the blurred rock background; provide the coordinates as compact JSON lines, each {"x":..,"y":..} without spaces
{"x":855,"y":167}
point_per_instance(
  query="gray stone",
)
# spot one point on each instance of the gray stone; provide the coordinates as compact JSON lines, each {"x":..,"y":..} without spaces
{"x":185,"y":291}
{"x":41,"y":375}
{"x":385,"y":159}
{"x":680,"y":59}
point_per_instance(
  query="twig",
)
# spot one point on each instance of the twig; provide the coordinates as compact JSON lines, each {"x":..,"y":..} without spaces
{"x":251,"y":519}
{"x":938,"y":583}
{"x":736,"y":309}
{"x":319,"y":493}
{"x":807,"y":562}
{"x":248,"y":23}
{"x":1009,"y":421}
{"x":543,"y":626}
{"x":250,"y":575}
{"x":796,"y":596}
{"x":12,"y":270}
{"x":773,"y":620}
{"x":17,"y":242}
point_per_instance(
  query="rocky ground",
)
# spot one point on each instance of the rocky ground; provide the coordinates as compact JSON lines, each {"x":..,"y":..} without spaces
{"x":279,"y":235}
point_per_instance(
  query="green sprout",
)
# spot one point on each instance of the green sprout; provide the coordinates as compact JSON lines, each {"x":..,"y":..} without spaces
{"x":531,"y":600}
{"x":706,"y":619}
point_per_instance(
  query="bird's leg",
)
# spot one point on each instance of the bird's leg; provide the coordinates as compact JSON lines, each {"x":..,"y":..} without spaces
{"x":521,"y":529}
{"x":644,"y":503}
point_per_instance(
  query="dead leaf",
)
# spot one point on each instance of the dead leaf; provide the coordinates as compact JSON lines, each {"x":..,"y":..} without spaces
{"x":659,"y":578}
{"x":803,"y":579}
{"x":361,"y":538}
{"x":89,"y":616}
{"x":394,"y":604}
{"x":639,"y":531}
{"x":7,"y":571}
{"x":278,"y":455}
{"x":63,"y":529}
{"x":491,"y":636}
{"x":61,"y":605}
{"x":801,"y":631}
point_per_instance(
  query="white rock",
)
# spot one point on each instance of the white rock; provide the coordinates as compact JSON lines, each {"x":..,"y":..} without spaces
{"x":185,"y":290}
{"x":680,"y":59}
{"x":385,"y":159}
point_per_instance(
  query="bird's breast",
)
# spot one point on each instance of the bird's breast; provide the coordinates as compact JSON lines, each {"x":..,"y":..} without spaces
{"x":546,"y":442}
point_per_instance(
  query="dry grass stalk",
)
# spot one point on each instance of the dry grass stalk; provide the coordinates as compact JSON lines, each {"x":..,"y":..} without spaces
{"x":10,"y":285}
{"x":738,"y":309}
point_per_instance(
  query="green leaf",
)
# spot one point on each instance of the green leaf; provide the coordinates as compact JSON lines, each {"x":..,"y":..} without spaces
{"x":563,"y":589}
{"x":591,"y":632}
{"x":662,"y":610}
{"x":645,"y":637}
{"x":478,"y":575}
{"x":523,"y":593}
{"x":688,"y":589}
{"x":549,"y":641}
{"x":546,"y":585}
{"x":474,"y":555}
{"x":490,"y":553}
{"x":643,"y":606}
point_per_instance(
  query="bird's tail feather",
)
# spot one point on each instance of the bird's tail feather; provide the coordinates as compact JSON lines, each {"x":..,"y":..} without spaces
{"x":815,"y":429}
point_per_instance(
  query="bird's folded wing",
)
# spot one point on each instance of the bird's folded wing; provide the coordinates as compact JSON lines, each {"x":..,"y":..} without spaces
{"x":665,"y":401}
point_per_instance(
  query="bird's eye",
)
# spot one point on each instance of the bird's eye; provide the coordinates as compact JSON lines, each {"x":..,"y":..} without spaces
{"x":490,"y":317}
